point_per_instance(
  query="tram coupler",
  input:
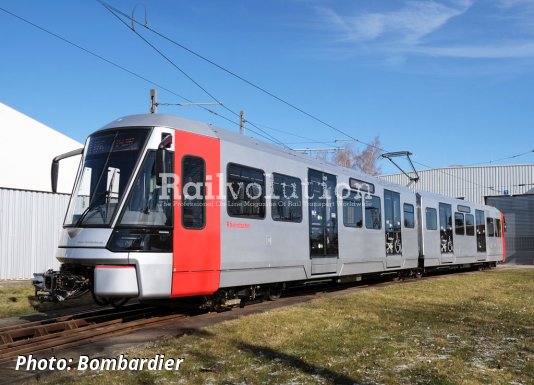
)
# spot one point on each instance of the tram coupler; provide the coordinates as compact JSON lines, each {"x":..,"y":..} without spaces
{"x":57,"y":286}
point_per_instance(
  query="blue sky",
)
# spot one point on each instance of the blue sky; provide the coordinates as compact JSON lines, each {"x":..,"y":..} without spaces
{"x":451,"y":81}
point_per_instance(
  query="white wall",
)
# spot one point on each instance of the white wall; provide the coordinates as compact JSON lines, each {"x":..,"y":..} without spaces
{"x":30,"y":225}
{"x":27,"y":148}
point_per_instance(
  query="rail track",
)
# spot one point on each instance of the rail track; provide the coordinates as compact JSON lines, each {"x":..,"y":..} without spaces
{"x":71,"y":330}
{"x":49,"y":335}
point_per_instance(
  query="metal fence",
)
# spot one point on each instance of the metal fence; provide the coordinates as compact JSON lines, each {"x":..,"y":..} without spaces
{"x":30,"y":224}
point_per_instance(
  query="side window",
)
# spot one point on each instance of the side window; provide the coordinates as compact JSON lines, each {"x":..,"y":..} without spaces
{"x":459,"y":223}
{"x":469,"y":224}
{"x":352,"y":209}
{"x":409,"y":216}
{"x":431,"y":218}
{"x":498,"y":228}
{"x":193,"y":192}
{"x":245,"y":192}
{"x":373,"y":213}
{"x":489,"y":230}
{"x":286,"y":203}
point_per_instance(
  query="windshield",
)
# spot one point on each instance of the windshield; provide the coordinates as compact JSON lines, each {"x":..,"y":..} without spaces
{"x":110,"y":158}
{"x":147,"y":204}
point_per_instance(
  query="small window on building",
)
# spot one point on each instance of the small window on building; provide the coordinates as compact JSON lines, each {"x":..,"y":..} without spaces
{"x":431,"y":218}
{"x":490,"y":228}
{"x":373,"y":212}
{"x":409,"y":216}
{"x":498,"y":228}
{"x":459,"y":223}
{"x":352,"y":209}
{"x":469,"y":224}
{"x":193,"y":192}
{"x":286,"y":203}
{"x":245,"y":192}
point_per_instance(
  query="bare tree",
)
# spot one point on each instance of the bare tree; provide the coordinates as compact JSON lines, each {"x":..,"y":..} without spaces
{"x":347,"y":157}
{"x":322,"y":155}
{"x":365,"y":161}
{"x":368,"y":158}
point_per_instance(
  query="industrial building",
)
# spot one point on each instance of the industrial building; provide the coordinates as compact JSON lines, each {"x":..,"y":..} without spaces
{"x":30,"y":215}
{"x":510,"y":188}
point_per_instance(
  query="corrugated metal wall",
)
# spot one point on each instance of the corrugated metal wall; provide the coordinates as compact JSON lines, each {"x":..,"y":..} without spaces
{"x":30,"y":224}
{"x":519,"y":215}
{"x":472,"y":183}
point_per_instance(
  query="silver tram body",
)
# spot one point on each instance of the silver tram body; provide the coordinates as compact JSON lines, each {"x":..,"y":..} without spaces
{"x":129,"y":234}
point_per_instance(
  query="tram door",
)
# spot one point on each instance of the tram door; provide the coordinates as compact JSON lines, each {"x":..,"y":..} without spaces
{"x":323,"y":222}
{"x":392,"y":213}
{"x":481,"y":235}
{"x":446,"y":237}
{"x":197,"y":239}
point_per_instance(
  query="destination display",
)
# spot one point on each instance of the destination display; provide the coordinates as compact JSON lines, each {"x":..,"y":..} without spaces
{"x":116,"y":142}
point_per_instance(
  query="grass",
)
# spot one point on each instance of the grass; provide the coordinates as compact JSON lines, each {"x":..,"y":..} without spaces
{"x":457,"y":329}
{"x":15,"y":300}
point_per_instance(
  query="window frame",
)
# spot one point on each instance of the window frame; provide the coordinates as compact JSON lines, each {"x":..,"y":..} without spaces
{"x":472,"y":226}
{"x":203,"y":195}
{"x":372,"y":197}
{"x":404,"y":215}
{"x":490,"y":221}
{"x":348,"y":196}
{"x":144,"y":159}
{"x":498,"y":228}
{"x":435,"y":218}
{"x":263,"y":196}
{"x":459,"y":229}
{"x":271,"y":201}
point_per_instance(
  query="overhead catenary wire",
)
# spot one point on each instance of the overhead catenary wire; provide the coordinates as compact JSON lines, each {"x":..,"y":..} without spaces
{"x":255,"y":124}
{"x":262,"y":89}
{"x":158,"y":85}
{"x":501,"y":159}
{"x":172,"y":63}
{"x":309,"y":140}
{"x":209,"y":110}
{"x":141,"y":77}
{"x":123,"y":68}
{"x":232,"y":73}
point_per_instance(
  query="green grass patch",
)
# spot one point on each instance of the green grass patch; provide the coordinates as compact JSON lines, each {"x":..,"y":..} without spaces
{"x":457,"y":329}
{"x":15,"y":300}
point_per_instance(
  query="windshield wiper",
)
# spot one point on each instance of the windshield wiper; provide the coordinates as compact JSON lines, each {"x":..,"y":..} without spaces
{"x":110,"y":190}
{"x":96,"y":202}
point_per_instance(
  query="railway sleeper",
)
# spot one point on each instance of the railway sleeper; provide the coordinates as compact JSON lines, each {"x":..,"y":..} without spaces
{"x":40,"y":331}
